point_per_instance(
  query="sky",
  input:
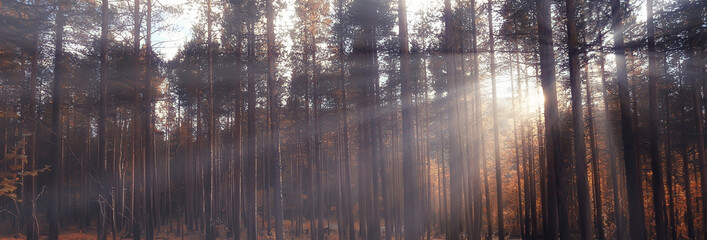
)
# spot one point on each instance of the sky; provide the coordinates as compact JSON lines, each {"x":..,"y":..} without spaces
{"x":179,"y":30}
{"x":179,"y":26}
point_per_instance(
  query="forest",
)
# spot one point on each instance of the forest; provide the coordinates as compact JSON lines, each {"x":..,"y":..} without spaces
{"x":353,"y":119}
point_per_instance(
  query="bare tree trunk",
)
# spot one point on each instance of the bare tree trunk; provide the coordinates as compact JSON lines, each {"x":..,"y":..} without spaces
{"x":455,"y":155}
{"x":689,"y":218}
{"x":344,"y":111}
{"x":697,"y":111}
{"x":669,"y":170}
{"x":517,"y":155}
{"x":657,"y":176}
{"x":102,"y":135}
{"x":477,"y":198}
{"x":273,"y":99}
{"x":553,"y":143}
{"x":211,"y":132}
{"x":496,"y":140}
{"x":695,"y":68}
{"x":633,"y":176}
{"x":134,"y":200}
{"x":410,"y":165}
{"x":487,"y":192}
{"x":29,"y":186}
{"x":237,"y":156}
{"x":599,"y":215}
{"x":250,"y":162}
{"x":613,"y":161}
{"x":148,"y":113}
{"x":580,"y":152}
{"x":57,"y":131}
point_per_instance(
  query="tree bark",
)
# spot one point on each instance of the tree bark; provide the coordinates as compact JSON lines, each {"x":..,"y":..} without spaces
{"x":657,"y":176}
{"x":580,"y":152}
{"x":348,"y":202}
{"x":599,"y":212}
{"x":102,"y":135}
{"x":57,"y":130}
{"x":553,"y":144}
{"x":134,"y":200}
{"x":633,"y":176}
{"x":410,"y":165}
{"x":273,"y":98}
{"x":250,"y":162}
{"x":29,"y":186}
{"x":211,"y":132}
{"x":496,"y":140}
{"x":669,"y":170}
{"x":148,"y":113}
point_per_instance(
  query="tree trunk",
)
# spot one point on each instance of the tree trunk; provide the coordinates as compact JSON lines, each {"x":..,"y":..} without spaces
{"x":211,"y":132}
{"x":102,"y":135}
{"x":611,"y":152}
{"x":580,"y":152}
{"x":496,"y":140}
{"x":348,"y":202}
{"x":669,"y":170}
{"x":599,"y":215}
{"x":57,"y":131}
{"x":273,"y":99}
{"x":148,"y":113}
{"x":695,"y":73}
{"x":134,"y":200}
{"x":455,"y":155}
{"x":553,"y":144}
{"x":249,"y":169}
{"x":237,"y":156}
{"x":657,"y":176}
{"x":477,"y":198}
{"x":410,"y":165}
{"x":633,"y":175}
{"x":29,"y":186}
{"x":689,"y":217}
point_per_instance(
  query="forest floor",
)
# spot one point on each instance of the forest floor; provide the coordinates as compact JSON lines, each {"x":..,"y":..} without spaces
{"x":8,"y":232}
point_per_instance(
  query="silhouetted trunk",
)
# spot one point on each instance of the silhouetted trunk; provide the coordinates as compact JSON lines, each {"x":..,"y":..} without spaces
{"x":695,"y":74}
{"x":580,"y":152}
{"x":477,"y":198}
{"x":249,"y":168}
{"x":689,"y":217}
{"x":517,"y":155}
{"x":553,"y":144}
{"x":669,"y":170}
{"x":611,"y":152}
{"x":596,"y":177}
{"x":273,"y":98}
{"x":348,"y":197}
{"x":487,"y":192}
{"x":410,"y":165}
{"x":134,"y":198}
{"x":364,"y":48}
{"x":455,"y":151}
{"x":322,"y":206}
{"x":633,"y":175}
{"x":148,"y":113}
{"x":702,"y":160}
{"x":211,"y":132}
{"x":237,"y":150}
{"x":57,"y":150}
{"x":657,"y":176}
{"x":496,"y":140}
{"x":32,"y":124}
{"x":102,"y":135}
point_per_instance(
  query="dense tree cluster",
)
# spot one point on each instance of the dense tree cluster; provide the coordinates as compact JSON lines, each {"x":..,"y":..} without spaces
{"x":354,"y":119}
